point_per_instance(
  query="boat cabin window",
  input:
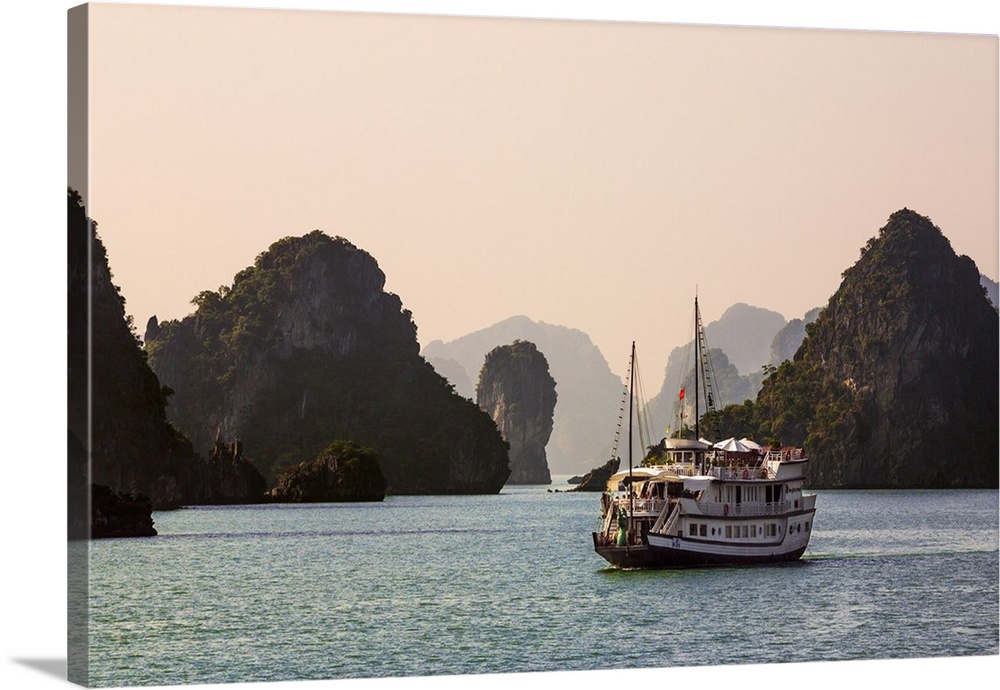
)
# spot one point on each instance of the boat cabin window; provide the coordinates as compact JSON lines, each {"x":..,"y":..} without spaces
{"x":739,"y":494}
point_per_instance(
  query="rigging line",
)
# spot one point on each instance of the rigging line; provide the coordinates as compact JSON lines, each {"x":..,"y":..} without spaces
{"x":718,"y":391}
{"x":717,"y":402}
{"x":641,"y":405}
{"x":707,"y":369}
{"x":621,"y":412}
{"x":645,"y":423}
{"x":636,"y":392}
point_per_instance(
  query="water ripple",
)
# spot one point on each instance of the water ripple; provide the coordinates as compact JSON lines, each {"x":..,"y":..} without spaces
{"x":457,"y":585}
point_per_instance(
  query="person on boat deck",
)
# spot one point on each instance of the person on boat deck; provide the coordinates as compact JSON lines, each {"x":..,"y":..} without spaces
{"x":622,"y":528}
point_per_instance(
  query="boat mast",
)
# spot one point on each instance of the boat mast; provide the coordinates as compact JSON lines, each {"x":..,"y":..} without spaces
{"x":697,"y":385}
{"x":697,"y":364}
{"x":631,"y":397}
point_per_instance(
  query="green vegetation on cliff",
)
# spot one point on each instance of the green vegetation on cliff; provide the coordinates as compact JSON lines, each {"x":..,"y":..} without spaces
{"x":895,"y":384}
{"x":118,"y":403}
{"x":344,"y":471}
{"x":305,"y":348}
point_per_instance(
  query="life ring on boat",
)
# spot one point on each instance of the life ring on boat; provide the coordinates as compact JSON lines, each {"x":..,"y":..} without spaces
{"x":725,"y":509}
{"x":746,"y":473}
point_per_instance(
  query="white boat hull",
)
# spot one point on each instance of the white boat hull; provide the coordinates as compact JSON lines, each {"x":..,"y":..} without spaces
{"x":678,"y":551}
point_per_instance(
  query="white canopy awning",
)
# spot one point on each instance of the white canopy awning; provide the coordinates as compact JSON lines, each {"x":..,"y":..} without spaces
{"x":685,"y":444}
{"x":639,"y":474}
{"x":699,"y":483}
{"x":732,"y":445}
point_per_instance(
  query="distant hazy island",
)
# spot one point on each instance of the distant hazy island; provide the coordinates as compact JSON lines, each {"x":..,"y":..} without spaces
{"x":892,"y":384}
{"x":588,"y":390}
{"x":517,"y":391}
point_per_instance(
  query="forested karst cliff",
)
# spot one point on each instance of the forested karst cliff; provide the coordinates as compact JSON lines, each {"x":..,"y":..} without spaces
{"x":304,"y":349}
{"x":134,"y":450}
{"x":517,"y":391}
{"x":895,"y":384}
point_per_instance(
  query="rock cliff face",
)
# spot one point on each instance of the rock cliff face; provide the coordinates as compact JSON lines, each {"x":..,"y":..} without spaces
{"x":517,"y":391}
{"x":134,"y":450}
{"x":895,"y":384}
{"x":305,"y":348}
{"x":232,"y":477}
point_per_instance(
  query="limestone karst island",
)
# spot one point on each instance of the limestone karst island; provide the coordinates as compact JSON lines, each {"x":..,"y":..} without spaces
{"x":303,"y":380}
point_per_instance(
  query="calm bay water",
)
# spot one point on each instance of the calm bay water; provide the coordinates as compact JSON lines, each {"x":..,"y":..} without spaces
{"x":418,"y":586}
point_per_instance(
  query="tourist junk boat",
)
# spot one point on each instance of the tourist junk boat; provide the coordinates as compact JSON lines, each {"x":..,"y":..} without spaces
{"x":727,"y":503}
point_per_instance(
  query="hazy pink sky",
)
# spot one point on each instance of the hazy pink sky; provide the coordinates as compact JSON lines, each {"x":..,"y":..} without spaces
{"x":33,"y":48}
{"x":586,"y":174}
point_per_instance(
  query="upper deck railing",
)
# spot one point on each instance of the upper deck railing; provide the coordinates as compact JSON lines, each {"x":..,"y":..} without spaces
{"x":744,"y":509}
{"x":740,"y":472}
{"x":789,"y":454}
{"x":640,"y":506}
{"x":745,"y":466}
{"x":651,"y":507}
